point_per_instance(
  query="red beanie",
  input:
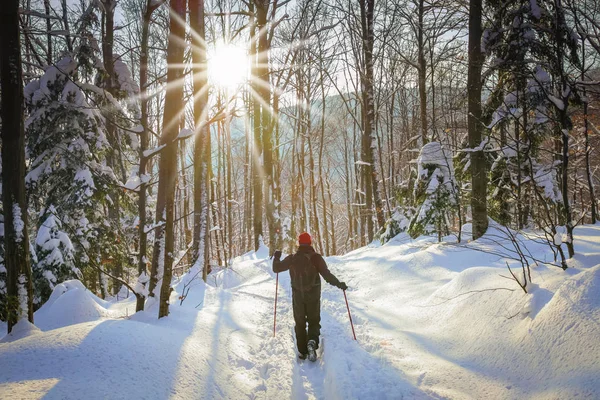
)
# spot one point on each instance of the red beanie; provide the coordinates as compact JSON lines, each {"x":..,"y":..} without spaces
{"x":304,"y":238}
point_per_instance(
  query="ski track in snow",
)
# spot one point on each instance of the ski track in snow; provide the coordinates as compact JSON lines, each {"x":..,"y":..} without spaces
{"x":343,"y":369}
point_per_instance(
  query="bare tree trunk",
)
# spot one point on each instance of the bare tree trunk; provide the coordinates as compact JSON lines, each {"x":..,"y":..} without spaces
{"x":348,"y":167}
{"x":565,"y":126}
{"x":165,"y":200}
{"x":247,"y":224}
{"x":478,"y":167}
{"x":65,"y":20}
{"x":48,"y":32}
{"x":314,"y":216}
{"x":333,"y":237}
{"x":14,"y":202}
{"x":276,"y":184}
{"x":202,"y":135}
{"x":321,"y":180}
{"x":588,"y":149}
{"x":422,"y":70}
{"x":143,"y":236}
{"x":256,"y":119}
{"x":368,"y":116}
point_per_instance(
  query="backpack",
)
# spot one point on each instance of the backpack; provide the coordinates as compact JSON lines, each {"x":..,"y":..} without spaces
{"x":304,"y":273}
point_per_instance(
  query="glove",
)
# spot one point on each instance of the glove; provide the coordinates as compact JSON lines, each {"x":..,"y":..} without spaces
{"x":277,"y":254}
{"x":343,"y":286}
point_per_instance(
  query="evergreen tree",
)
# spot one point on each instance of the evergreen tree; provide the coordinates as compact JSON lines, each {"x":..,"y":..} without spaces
{"x":533,"y":46}
{"x":434,"y":191}
{"x":55,"y":252}
{"x":66,"y":145}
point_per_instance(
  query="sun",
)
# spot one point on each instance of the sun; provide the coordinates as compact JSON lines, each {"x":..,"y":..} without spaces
{"x":227,"y":66}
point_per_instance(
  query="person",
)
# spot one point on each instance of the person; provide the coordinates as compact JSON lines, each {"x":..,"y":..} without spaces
{"x":305,"y":266}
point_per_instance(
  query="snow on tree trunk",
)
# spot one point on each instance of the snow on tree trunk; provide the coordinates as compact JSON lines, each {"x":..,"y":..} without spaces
{"x":165,"y":204}
{"x":19,"y":286}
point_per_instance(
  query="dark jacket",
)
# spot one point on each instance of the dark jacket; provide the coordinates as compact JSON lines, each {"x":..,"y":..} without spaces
{"x":305,"y":267}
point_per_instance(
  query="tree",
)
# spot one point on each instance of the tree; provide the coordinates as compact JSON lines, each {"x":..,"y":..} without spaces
{"x":162,"y":262}
{"x":478,"y":165}
{"x":202,"y":132}
{"x":142,"y":290}
{"x":67,"y":144}
{"x":19,"y":285}
{"x":55,"y":254}
{"x":367,"y":22}
{"x":434,"y":192}
{"x":534,"y":47}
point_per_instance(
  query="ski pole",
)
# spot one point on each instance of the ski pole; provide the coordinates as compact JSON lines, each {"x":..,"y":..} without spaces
{"x":349,"y":316}
{"x":275,"y":311}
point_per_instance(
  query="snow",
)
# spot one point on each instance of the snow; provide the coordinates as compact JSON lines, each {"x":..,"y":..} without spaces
{"x":133,"y":183}
{"x":433,"y":320}
{"x":21,"y":330}
{"x":185,"y":133}
{"x":558,"y":103}
{"x":360,"y":162}
{"x":18,"y":223}
{"x":85,"y":176}
{"x":71,"y":303}
{"x":125,"y":80}
{"x":535,"y":9}
{"x":150,"y":152}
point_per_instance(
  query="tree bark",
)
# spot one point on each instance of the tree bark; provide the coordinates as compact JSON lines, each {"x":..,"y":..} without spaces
{"x":165,"y":200}
{"x":143,"y":236}
{"x":200,"y":80}
{"x":422,"y":72}
{"x":368,"y":116}
{"x":48,"y":32}
{"x":65,"y":20}
{"x":256,"y":120}
{"x":478,"y":167}
{"x":111,"y":128}
{"x":19,"y":286}
{"x":565,"y":126}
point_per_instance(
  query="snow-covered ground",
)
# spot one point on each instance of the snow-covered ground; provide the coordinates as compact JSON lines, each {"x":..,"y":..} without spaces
{"x":432,"y":321}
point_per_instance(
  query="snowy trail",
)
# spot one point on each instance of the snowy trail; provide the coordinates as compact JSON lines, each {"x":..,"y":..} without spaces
{"x":345,"y":368}
{"x":432,"y":321}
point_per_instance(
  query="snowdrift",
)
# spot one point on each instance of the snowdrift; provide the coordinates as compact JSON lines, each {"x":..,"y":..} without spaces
{"x":21,"y":330}
{"x":71,"y":303}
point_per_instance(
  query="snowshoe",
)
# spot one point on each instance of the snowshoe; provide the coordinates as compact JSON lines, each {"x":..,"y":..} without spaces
{"x":312,"y":350}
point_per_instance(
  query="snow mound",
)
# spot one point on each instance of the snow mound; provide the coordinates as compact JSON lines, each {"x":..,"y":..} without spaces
{"x":225,"y":278}
{"x":475,"y":278}
{"x":190,"y":287}
{"x":70,"y":303}
{"x":21,"y":330}
{"x":574,"y":311}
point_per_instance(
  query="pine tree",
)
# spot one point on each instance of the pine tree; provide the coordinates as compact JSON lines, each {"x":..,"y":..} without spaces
{"x":55,"y":254}
{"x":66,"y":145}
{"x":434,"y":191}
{"x":533,"y":46}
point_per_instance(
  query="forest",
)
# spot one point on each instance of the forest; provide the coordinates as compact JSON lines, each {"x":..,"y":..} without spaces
{"x":154,"y":136}
{"x":158,"y":157}
{"x":148,"y":145}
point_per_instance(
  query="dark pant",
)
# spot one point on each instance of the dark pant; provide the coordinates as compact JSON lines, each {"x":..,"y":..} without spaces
{"x":307,"y":309}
